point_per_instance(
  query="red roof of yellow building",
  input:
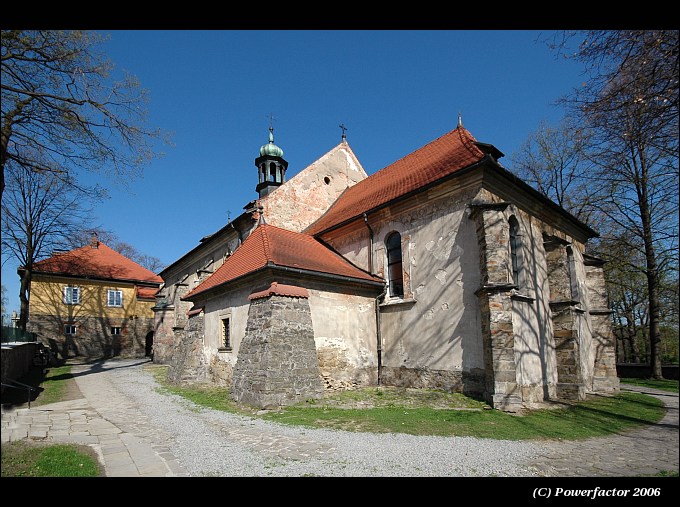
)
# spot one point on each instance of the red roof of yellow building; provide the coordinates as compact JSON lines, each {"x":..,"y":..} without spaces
{"x":449,"y":153}
{"x":269,"y":245}
{"x":97,"y":261}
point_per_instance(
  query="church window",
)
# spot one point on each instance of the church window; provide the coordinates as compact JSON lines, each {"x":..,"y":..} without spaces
{"x":573,"y":280}
{"x":394,"y":265}
{"x":226,"y":334}
{"x":515,"y":251}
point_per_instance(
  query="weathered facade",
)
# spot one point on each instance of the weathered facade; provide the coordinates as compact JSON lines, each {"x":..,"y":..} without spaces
{"x":442,"y":270}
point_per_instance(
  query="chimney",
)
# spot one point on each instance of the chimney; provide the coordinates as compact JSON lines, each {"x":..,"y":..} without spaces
{"x":94,"y":242}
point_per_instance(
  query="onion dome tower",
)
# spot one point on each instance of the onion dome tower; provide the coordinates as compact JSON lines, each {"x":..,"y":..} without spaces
{"x":271,"y":167}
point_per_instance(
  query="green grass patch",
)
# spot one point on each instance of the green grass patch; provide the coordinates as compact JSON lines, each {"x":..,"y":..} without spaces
{"x":596,"y":417}
{"x":664,"y":385}
{"x":216,"y":398}
{"x":432,"y":412}
{"x":54,"y":384}
{"x":27,"y":459}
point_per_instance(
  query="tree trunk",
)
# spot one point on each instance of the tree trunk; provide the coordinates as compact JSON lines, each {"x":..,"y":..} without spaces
{"x":652,"y":277}
{"x":24,"y":296}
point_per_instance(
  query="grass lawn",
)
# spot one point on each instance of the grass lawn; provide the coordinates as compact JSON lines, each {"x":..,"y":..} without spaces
{"x":664,"y":385}
{"x":27,"y":458}
{"x":430,"y":412}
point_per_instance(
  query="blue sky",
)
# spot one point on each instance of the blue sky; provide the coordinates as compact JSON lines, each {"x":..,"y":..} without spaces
{"x":394,"y":90}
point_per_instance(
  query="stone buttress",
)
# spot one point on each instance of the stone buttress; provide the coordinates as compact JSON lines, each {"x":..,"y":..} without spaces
{"x":277,"y":363}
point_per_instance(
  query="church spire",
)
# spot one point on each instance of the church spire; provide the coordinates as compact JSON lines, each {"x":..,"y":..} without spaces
{"x":271,"y":166}
{"x":460,"y":120}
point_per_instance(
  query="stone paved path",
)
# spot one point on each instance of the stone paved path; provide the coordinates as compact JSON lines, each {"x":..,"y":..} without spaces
{"x":646,"y":451}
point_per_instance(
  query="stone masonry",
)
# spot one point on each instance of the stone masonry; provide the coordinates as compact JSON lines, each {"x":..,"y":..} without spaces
{"x":277,"y":363}
{"x":495,"y":305}
{"x":188,"y":362}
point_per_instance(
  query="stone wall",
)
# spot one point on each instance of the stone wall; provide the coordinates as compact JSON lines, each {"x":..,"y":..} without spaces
{"x":17,"y":360}
{"x":277,"y":363}
{"x":498,"y":334}
{"x":469,"y":383}
{"x":188,"y":365}
{"x":93,"y":338}
{"x":164,"y":336}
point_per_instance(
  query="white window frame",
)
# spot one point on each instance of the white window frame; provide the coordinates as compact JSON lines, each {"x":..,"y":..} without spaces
{"x":70,"y":327}
{"x":109,"y":300}
{"x":116,"y":330}
{"x":69,"y":298}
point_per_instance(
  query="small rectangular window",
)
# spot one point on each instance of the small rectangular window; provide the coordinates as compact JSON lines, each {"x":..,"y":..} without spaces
{"x":71,"y":295}
{"x":226,"y":334}
{"x":114,"y":298}
{"x":116,"y":330}
{"x":70,"y":329}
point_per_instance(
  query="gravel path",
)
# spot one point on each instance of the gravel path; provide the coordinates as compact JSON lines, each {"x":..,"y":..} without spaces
{"x":212,"y":443}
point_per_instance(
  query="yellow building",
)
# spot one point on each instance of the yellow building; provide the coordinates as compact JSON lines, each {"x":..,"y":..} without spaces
{"x":93,"y":302}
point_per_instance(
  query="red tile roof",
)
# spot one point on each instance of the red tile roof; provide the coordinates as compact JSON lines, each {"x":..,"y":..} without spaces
{"x":451,"y":152}
{"x":147,"y":292}
{"x":270,"y":245}
{"x":279,"y":289}
{"x":99,"y":262}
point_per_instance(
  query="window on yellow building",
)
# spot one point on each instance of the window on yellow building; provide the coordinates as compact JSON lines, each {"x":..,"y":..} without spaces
{"x":114,"y":298}
{"x":72,"y":295}
{"x":70,"y":329}
{"x":116,"y":330}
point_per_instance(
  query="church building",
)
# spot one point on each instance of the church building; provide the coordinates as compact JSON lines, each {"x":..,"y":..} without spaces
{"x":442,"y":271}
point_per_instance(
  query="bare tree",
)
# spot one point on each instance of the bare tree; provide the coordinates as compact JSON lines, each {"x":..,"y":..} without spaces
{"x":40,"y":211}
{"x":629,"y":108}
{"x":554,"y":161}
{"x":61,"y":112}
{"x":3,"y":308}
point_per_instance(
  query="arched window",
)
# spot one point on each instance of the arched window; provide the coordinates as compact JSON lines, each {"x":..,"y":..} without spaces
{"x":515,"y":249}
{"x":395,"y":274}
{"x":573,"y":280}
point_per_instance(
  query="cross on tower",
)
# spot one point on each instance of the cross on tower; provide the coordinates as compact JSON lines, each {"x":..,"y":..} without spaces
{"x":342,"y":126}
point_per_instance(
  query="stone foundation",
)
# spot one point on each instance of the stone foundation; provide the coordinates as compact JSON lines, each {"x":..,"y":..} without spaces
{"x":277,"y":363}
{"x":188,"y":365}
{"x":220,"y":372}
{"x":469,"y":383}
{"x":93,"y":339}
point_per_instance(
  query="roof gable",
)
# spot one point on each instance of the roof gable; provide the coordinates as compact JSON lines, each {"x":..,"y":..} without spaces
{"x":100,"y":262}
{"x":451,"y":152}
{"x":269,"y":245}
{"x":301,"y":200}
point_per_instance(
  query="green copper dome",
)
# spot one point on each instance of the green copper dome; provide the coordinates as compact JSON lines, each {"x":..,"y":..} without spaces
{"x":270,"y":149}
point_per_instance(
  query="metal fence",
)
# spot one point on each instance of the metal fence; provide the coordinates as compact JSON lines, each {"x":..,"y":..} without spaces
{"x":14,"y":334}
